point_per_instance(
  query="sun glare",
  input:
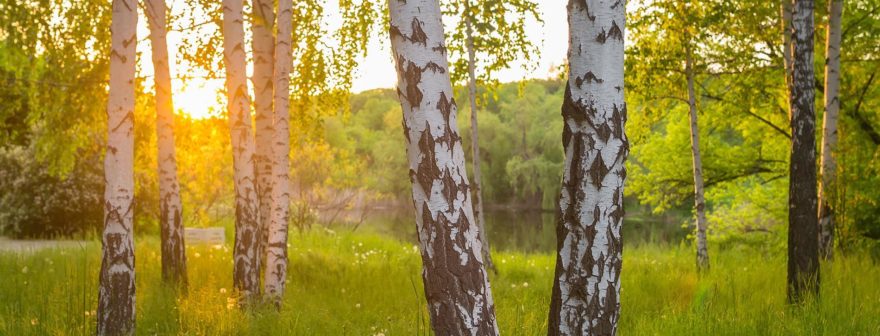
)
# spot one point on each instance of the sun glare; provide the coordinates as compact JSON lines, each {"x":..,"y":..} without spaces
{"x":197,"y":98}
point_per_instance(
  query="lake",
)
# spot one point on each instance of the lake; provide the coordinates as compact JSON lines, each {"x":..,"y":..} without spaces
{"x":515,"y":230}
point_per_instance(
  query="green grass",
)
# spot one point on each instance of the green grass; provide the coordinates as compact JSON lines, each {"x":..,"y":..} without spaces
{"x":361,"y":284}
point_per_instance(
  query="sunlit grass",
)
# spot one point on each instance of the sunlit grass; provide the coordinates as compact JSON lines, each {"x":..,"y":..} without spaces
{"x":361,"y":284}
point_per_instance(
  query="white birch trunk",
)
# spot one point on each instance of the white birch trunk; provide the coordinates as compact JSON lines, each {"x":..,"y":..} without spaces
{"x":170,"y":208}
{"x":586,"y":288}
{"x":475,"y":142}
{"x":803,"y":222}
{"x":456,"y":282}
{"x":276,"y":256}
{"x":828,"y":165}
{"x":263,"y":45}
{"x":116,"y":294}
{"x":699,"y":199}
{"x":246,"y":268}
{"x":785,"y":10}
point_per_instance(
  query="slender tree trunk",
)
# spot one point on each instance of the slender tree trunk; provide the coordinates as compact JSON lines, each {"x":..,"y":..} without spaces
{"x":785,"y":13}
{"x":456,"y":282}
{"x":803,"y":233}
{"x":116,"y":294}
{"x":828,"y":167}
{"x":699,"y":199}
{"x":170,"y":223}
{"x":246,"y":270}
{"x":276,"y":256}
{"x":586,"y":288}
{"x":263,"y":44}
{"x":475,"y":143}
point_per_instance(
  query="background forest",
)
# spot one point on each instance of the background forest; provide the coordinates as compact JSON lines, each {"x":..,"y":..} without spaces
{"x":348,"y":166}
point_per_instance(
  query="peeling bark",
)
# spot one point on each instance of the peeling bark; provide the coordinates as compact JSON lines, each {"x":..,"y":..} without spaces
{"x":456,"y":282}
{"x":170,"y":208}
{"x":803,"y":254}
{"x":586,"y":288}
{"x":479,"y":215}
{"x":263,"y":44}
{"x":828,"y":165}
{"x":699,"y":199}
{"x":246,"y":268}
{"x":276,"y":256}
{"x":116,"y":289}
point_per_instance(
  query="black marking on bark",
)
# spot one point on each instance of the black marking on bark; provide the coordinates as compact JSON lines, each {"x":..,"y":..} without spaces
{"x":615,"y":32}
{"x":406,"y":128}
{"x":434,"y":67}
{"x":604,"y":132}
{"x":598,"y":170}
{"x":413,"y":76}
{"x":427,"y":169}
{"x":418,"y":35}
{"x":445,"y":106}
{"x":589,"y":78}
{"x":440,"y":48}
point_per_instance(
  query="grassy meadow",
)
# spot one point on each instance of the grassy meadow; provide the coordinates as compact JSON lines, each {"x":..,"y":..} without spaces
{"x":366,"y":284}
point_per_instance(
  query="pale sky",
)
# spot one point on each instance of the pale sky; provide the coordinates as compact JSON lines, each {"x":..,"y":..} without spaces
{"x":199,"y":97}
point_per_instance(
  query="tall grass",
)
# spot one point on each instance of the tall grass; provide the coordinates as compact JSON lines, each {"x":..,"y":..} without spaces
{"x":361,"y":284}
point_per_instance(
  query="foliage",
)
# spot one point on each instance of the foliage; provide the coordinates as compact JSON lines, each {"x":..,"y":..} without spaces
{"x":37,"y":204}
{"x":375,"y":283}
{"x":519,"y":140}
{"x":499,"y":36}
{"x":743,"y":104}
{"x":54,"y":60}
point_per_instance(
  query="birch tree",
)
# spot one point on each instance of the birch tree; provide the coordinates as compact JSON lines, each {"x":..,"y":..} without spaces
{"x":803,"y":254}
{"x":170,"y":208}
{"x":276,"y":256}
{"x":699,"y":198}
{"x":496,"y":31}
{"x":246,"y":268}
{"x":262,"y":45}
{"x":455,"y":280}
{"x":116,"y":289}
{"x":828,"y":165}
{"x":586,"y":288}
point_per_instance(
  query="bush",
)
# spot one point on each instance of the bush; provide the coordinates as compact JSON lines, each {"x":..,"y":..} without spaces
{"x":34,"y":203}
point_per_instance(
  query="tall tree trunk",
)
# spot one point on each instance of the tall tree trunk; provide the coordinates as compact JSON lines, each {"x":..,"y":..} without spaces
{"x":170,"y":223}
{"x":586,"y":288}
{"x":828,"y":165}
{"x":263,"y":44}
{"x":475,"y":142}
{"x":785,"y":13}
{"x":246,"y":270}
{"x":699,"y":199}
{"x":276,"y":256}
{"x":456,"y":282}
{"x":116,"y":294}
{"x":803,"y":233}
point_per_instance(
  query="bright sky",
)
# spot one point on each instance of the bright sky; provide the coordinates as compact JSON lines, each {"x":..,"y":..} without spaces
{"x":198,"y":98}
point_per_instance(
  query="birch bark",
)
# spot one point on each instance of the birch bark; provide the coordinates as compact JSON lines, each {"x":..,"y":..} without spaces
{"x":246,"y":268}
{"x":828,"y":165}
{"x":456,"y":282}
{"x":475,"y":141}
{"x":262,"y":45}
{"x":116,"y":289}
{"x":170,"y":208}
{"x":803,"y":253}
{"x":699,"y":198}
{"x":586,"y":288}
{"x":276,"y":256}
